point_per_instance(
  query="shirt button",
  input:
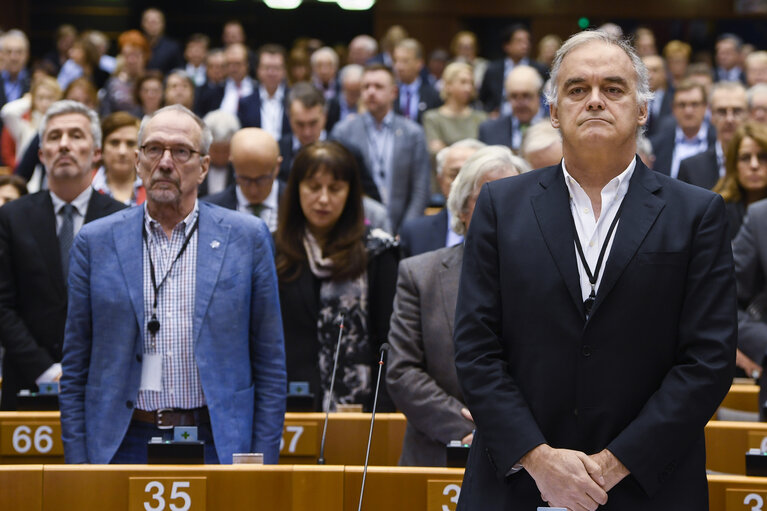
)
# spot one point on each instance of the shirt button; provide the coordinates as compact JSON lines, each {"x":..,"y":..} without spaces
{"x":586,"y":351}
{"x":169,"y":353}
{"x":586,"y":210}
{"x":591,"y":243}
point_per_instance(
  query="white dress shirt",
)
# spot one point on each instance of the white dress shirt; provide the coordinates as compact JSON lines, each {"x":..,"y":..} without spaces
{"x":272,"y":109}
{"x":233,"y":93}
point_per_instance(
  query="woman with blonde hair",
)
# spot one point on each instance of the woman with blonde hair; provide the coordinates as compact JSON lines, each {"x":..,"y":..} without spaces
{"x":456,"y":119}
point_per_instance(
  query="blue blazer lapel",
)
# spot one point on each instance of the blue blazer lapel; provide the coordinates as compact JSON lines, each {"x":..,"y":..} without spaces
{"x":212,"y":240}
{"x":640,"y":211}
{"x":129,"y":247}
{"x":552,"y":209}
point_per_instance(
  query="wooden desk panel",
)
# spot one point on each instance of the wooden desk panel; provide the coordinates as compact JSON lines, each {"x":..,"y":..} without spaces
{"x":737,"y":493}
{"x":99,"y":487}
{"x":30,"y":437}
{"x":727,"y":443}
{"x":742,"y":397}
{"x":21,"y":487}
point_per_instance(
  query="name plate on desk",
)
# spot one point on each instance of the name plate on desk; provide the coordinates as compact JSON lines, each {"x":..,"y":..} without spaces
{"x":30,"y":438}
{"x":300,"y":439}
{"x":166,"y":494}
{"x":442,"y":495}
{"x":745,"y":500}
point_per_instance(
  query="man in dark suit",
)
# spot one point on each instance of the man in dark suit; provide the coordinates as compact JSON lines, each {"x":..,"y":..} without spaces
{"x":208,"y":96}
{"x":415,"y":95}
{"x":223,"y":126}
{"x":166,"y":52}
{"x":659,"y":107}
{"x":35,"y":235}
{"x":516,"y":47}
{"x":426,"y":233}
{"x":727,"y":57}
{"x":729,"y":110}
{"x":686,"y":134}
{"x":256,"y":161}
{"x":267,"y":107}
{"x":591,"y":377}
{"x":523,"y":90}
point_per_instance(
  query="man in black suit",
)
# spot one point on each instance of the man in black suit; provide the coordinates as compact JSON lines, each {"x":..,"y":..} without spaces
{"x":727,"y":57}
{"x":523,"y":90}
{"x":36,"y":233}
{"x":516,"y":47}
{"x":415,"y":95}
{"x":729,"y":110}
{"x":166,"y":52}
{"x":208,"y":96}
{"x":266,"y":108}
{"x":426,"y":233}
{"x":591,"y":377}
{"x":223,"y":126}
{"x":256,"y":161}
{"x":659,"y":107}
{"x":687,"y":134}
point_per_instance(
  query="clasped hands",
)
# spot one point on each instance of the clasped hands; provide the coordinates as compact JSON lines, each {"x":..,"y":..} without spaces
{"x":573,"y":479}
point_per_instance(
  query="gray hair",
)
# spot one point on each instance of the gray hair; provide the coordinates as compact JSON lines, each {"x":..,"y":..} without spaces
{"x":484,"y":161}
{"x":759,"y":88}
{"x":644,"y":146}
{"x":472,"y":143}
{"x":223,"y":125}
{"x":206,"y":136}
{"x":15,"y":33}
{"x":523,"y":73}
{"x":350,"y":71}
{"x":365,"y":41}
{"x":325,"y":51}
{"x":539,"y":136}
{"x":643,"y":93}
{"x":67,"y":106}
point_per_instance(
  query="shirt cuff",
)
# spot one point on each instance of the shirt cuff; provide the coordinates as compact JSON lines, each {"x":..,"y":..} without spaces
{"x":50,"y":374}
{"x":516,"y":468}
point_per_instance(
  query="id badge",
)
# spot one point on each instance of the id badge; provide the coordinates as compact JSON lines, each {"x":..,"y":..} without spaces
{"x":151,"y":372}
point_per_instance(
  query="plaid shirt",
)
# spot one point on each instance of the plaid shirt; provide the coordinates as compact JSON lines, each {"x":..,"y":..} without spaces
{"x":175,"y":311}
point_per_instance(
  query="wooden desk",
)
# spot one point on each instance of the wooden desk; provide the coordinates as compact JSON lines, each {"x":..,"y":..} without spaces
{"x":191,"y":488}
{"x":347,"y":438}
{"x":30,"y":437}
{"x":21,"y":487}
{"x":737,"y":493}
{"x":403,"y":488}
{"x":743,"y":397}
{"x":727,"y":443}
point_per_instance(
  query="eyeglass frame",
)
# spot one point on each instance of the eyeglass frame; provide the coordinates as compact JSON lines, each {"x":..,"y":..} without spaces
{"x":168,"y":148}
{"x":258,"y":181}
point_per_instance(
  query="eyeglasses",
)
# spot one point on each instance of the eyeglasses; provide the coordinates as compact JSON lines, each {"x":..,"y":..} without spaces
{"x":688,"y":104}
{"x":761,"y":157}
{"x":180,"y":154}
{"x":735,"y":112}
{"x":254,"y":181}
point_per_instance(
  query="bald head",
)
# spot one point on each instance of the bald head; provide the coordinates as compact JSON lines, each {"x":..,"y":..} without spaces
{"x":523,"y":88}
{"x":256,"y":159}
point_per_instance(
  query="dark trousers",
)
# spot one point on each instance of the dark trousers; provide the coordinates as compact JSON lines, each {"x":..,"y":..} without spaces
{"x":133,"y":449}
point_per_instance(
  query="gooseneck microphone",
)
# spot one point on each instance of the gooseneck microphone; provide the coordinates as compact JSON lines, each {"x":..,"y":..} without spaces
{"x":341,"y":318}
{"x":383,"y":349}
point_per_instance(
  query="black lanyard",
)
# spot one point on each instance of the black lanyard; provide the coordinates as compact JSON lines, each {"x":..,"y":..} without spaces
{"x":154,"y":324}
{"x":588,"y":303}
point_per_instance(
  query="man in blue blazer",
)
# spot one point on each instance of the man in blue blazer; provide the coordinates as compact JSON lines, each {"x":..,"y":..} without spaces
{"x":591,"y":377}
{"x":173,"y":317}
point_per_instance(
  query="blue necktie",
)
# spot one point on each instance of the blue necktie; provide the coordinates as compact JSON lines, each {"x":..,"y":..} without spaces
{"x":66,"y":236}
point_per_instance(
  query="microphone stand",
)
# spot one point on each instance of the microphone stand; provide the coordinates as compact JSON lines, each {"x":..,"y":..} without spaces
{"x":321,"y":458}
{"x":384,"y":348}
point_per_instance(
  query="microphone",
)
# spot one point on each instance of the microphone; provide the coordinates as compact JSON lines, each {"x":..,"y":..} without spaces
{"x":341,"y":318}
{"x":383,"y":349}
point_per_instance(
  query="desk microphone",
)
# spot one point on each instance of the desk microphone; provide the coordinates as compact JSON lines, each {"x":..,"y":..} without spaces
{"x":341,"y":318}
{"x":383,"y":349}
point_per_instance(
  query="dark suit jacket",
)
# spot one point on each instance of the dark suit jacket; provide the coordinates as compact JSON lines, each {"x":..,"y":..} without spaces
{"x":654,"y":122}
{"x":641,"y":377}
{"x":663,"y":143}
{"x":299,"y":302}
{"x":332,"y":112}
{"x":33,"y":293}
{"x":700,"y":170}
{"x":419,"y":235}
{"x":492,"y":93}
{"x":249,"y":111}
{"x":166,"y":56}
{"x":208,"y":97}
{"x":428,"y":98}
{"x":421,"y":374}
{"x":228,"y":197}
{"x":496,"y":131}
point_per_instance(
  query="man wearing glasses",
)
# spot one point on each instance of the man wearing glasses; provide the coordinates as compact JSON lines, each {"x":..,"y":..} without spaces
{"x":255,"y":156}
{"x":174,"y":317}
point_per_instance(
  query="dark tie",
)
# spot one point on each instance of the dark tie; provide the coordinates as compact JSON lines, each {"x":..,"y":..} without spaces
{"x":66,"y":235}
{"x":256,"y":209}
{"x":407,"y":103}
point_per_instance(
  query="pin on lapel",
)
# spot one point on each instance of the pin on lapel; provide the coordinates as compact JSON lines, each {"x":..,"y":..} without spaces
{"x":215,"y":244}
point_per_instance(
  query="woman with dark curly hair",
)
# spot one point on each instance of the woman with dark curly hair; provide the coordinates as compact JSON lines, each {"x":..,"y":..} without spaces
{"x":329,"y":265}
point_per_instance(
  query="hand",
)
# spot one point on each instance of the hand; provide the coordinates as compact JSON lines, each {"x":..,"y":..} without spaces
{"x":468,"y":438}
{"x":613,"y":470}
{"x":752,"y":369}
{"x":566,"y":478}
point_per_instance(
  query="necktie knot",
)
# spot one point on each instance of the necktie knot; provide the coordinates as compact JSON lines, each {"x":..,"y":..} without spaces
{"x":256,"y":209}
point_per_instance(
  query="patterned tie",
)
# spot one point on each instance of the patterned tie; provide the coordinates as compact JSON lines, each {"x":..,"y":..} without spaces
{"x":66,"y":235}
{"x":407,"y":103}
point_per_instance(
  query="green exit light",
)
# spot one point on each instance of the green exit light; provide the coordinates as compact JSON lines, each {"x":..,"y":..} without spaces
{"x":584,"y":23}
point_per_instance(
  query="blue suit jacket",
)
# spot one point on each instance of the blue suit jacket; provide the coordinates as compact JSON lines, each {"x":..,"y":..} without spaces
{"x":238,"y":338}
{"x":424,"y":234}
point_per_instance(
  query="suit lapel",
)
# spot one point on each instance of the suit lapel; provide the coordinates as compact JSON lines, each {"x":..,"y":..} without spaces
{"x":129,"y":246}
{"x":212,"y":244}
{"x":448,"y":280}
{"x":641,"y":208}
{"x":552,"y":209}
{"x":42,"y":225}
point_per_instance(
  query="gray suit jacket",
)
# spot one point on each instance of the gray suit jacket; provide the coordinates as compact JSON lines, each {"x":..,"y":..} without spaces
{"x":410,"y":164}
{"x":421,"y":376}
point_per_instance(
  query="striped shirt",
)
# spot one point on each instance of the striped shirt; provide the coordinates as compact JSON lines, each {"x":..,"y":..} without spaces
{"x":174,"y":341}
